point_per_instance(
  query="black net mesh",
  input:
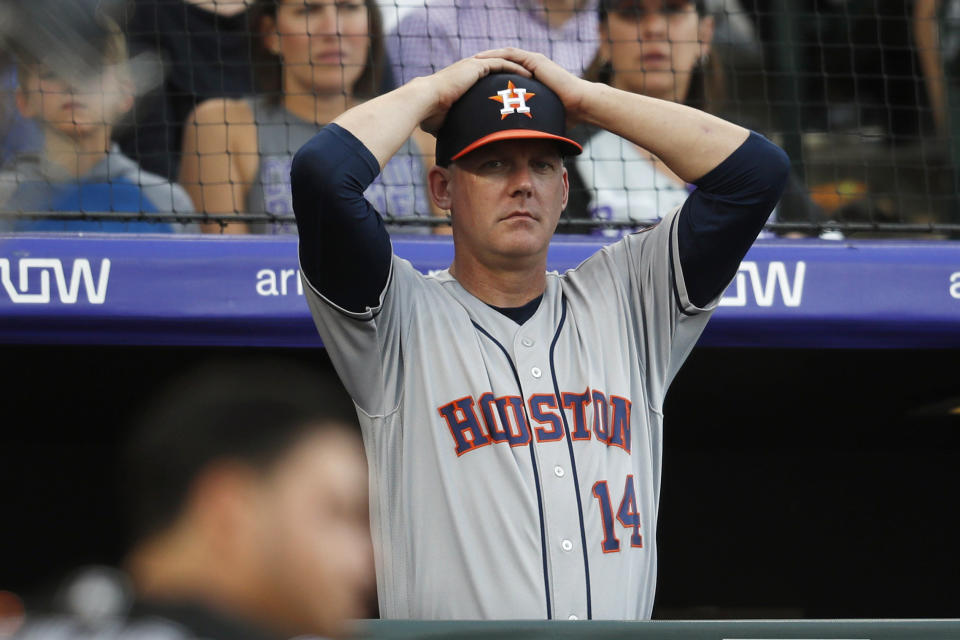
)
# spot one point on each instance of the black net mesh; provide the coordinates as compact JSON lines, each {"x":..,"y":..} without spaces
{"x":176,"y":115}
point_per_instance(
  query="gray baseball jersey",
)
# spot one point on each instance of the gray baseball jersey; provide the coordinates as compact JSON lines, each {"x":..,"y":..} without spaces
{"x":515,"y":469}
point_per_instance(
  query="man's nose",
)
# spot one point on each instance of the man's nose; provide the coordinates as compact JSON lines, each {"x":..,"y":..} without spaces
{"x":521,"y":180}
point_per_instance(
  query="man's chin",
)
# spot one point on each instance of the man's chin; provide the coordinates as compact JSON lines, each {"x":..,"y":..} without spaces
{"x":523,"y":248}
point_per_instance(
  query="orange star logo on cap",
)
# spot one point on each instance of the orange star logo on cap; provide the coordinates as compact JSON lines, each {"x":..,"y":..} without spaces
{"x":514,"y":100}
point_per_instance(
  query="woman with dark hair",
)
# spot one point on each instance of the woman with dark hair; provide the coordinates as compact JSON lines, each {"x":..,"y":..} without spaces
{"x":316,"y":59}
{"x":662,"y":49}
{"x":655,"y":48}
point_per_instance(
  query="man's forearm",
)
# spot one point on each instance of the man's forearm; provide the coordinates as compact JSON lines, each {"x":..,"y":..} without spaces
{"x":689,"y":141}
{"x":384,"y":123}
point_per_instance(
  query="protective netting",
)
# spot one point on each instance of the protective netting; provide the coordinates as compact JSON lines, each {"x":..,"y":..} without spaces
{"x":183,"y":115}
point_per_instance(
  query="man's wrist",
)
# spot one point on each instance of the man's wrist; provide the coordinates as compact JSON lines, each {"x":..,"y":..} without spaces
{"x":591,"y":108}
{"x":420,"y":93}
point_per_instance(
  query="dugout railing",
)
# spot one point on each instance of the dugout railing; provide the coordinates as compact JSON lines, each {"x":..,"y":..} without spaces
{"x":668,"y":630}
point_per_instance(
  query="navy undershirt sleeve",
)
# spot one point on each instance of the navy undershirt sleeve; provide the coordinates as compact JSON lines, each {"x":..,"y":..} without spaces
{"x":345,"y":249}
{"x":725,"y":214}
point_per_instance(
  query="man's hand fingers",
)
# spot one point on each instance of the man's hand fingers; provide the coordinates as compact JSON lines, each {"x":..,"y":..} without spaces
{"x":497,"y":64}
{"x":537,"y":64}
{"x":514,"y":54}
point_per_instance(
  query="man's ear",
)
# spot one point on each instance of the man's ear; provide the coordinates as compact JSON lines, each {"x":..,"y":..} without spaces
{"x":438,"y":181}
{"x":566,"y":188}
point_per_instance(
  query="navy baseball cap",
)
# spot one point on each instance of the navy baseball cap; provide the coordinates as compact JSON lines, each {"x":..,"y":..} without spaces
{"x":503,"y":106}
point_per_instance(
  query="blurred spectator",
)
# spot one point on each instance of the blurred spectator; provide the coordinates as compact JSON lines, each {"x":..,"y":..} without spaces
{"x":936,"y":29}
{"x":17,"y":134}
{"x":444,"y":31}
{"x":246,"y":490}
{"x":315,"y":60}
{"x":75,"y":104}
{"x":188,"y":51}
{"x":663,"y":50}
{"x":937,"y":59}
{"x":59,"y":33}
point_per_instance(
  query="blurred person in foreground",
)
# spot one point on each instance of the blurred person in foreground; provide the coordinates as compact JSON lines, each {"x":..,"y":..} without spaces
{"x":249,"y":500}
{"x":76,"y":98}
{"x":247,"y":494}
{"x":315,"y":60}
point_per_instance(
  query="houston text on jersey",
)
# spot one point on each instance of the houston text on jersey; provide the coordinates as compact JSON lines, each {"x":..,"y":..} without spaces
{"x":490,"y":419}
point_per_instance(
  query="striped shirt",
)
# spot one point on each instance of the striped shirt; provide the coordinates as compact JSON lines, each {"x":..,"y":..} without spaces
{"x":444,"y":31}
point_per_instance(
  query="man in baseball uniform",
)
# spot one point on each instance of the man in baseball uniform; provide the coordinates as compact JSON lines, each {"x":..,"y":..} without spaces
{"x":512,"y":417}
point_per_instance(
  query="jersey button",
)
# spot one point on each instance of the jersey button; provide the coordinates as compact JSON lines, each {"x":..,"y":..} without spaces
{"x":535,"y":372}
{"x":527,"y":342}
{"x":566,"y":545}
{"x":572,"y":616}
{"x":558,"y":471}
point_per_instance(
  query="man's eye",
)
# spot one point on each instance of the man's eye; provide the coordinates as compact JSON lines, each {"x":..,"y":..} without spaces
{"x":492,"y":164}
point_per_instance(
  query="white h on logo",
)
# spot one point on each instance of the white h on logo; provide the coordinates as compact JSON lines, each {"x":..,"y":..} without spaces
{"x":513,"y":101}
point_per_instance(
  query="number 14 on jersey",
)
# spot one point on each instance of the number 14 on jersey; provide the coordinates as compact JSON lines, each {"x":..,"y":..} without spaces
{"x":627,"y":515}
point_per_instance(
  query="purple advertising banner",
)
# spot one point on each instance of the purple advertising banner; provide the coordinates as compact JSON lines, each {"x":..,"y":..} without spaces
{"x":246,"y":290}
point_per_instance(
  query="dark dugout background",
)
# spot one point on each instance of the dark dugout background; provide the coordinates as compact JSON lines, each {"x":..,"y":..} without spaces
{"x":797,"y":483}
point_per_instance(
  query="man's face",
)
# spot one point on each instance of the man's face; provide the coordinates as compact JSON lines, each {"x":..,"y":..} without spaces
{"x":505,"y":200}
{"x":315,"y":544}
